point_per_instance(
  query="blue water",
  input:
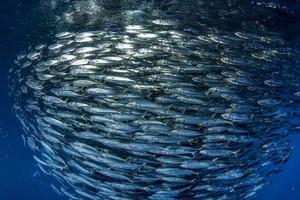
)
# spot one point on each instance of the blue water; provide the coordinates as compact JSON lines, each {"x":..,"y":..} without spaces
{"x":19,"y":178}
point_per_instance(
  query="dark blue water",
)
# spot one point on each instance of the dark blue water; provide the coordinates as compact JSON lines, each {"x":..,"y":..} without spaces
{"x":19,"y":177}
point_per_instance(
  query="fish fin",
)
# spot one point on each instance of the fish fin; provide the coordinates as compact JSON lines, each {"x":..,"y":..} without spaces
{"x":213,"y":115}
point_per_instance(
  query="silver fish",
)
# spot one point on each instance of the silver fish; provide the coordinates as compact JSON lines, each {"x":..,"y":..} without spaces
{"x":148,"y":100}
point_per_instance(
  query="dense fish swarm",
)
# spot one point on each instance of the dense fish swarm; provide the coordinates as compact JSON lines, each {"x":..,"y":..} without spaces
{"x":158,"y":111}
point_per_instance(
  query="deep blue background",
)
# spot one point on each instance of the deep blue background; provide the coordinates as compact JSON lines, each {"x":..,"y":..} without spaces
{"x":18,"y":177}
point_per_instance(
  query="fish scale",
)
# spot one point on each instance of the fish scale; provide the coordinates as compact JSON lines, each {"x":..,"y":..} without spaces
{"x":157,"y":108}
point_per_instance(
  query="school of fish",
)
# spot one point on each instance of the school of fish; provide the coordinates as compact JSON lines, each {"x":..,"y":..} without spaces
{"x":152,"y":109}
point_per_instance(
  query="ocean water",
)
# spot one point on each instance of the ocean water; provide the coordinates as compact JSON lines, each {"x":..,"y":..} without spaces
{"x":20,"y":178}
